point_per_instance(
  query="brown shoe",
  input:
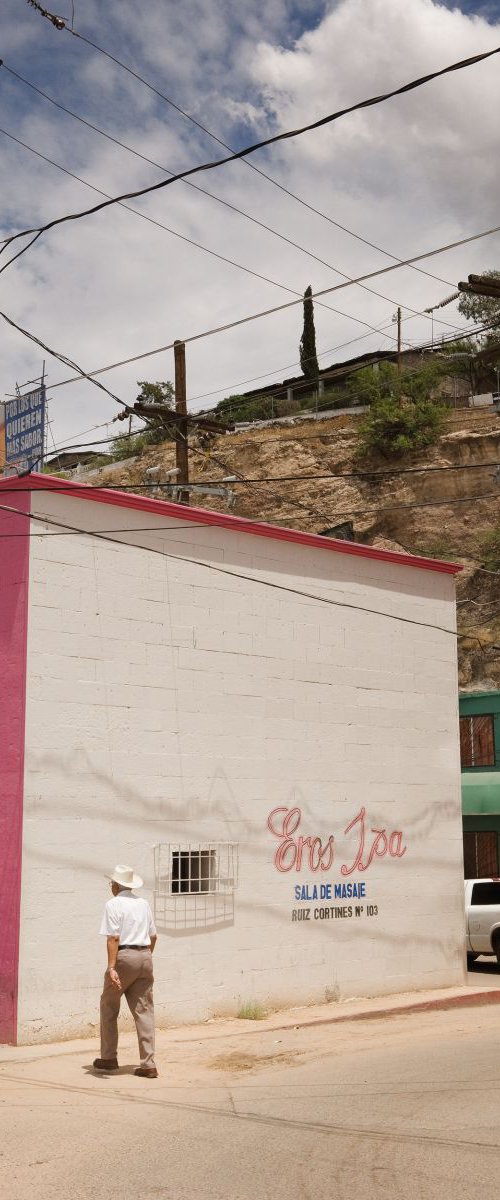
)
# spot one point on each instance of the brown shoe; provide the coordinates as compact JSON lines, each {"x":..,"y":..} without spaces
{"x":147,"y":1072}
{"x":105,"y":1064}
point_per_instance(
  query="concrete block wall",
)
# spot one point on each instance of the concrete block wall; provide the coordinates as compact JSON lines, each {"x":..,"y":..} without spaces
{"x":170,"y":702}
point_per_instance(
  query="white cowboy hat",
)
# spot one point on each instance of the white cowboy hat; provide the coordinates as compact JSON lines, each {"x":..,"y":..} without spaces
{"x":125,"y":877}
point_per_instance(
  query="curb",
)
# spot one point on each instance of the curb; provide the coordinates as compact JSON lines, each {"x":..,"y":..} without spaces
{"x":440,"y":1003}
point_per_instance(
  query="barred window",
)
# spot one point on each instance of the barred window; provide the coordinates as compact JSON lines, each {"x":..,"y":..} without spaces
{"x":193,"y":870}
{"x":477,"y":743}
{"x":481,"y":854}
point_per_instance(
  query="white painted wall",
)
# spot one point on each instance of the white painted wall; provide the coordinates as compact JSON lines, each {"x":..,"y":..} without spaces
{"x":167,"y":702}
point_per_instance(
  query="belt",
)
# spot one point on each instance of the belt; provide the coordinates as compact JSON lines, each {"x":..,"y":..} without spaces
{"x":135,"y":947}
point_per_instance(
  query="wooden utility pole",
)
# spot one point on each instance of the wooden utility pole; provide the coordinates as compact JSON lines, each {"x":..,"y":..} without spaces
{"x":399,"y":340}
{"x":181,"y":427}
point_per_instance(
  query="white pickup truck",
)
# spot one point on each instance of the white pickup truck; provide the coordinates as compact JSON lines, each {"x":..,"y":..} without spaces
{"x":482,"y":917}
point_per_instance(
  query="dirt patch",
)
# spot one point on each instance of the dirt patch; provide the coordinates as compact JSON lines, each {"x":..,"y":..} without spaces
{"x":238,"y":1061}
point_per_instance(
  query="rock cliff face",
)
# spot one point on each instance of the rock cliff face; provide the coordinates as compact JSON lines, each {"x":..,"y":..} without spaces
{"x":411,"y":504}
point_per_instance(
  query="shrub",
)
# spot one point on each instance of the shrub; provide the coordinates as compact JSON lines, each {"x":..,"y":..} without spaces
{"x":397,"y":427}
{"x":490,"y":549}
{"x":251,"y":1010}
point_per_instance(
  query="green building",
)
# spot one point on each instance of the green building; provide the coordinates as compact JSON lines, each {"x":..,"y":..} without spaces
{"x":480,"y":759}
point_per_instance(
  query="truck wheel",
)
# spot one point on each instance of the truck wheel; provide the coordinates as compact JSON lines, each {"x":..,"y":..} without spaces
{"x":495,"y":946}
{"x":471,"y":958}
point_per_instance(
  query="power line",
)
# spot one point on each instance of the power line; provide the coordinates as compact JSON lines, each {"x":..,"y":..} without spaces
{"x":289,"y":366}
{"x":152,"y":221}
{"x":68,"y":362}
{"x":282,"y":307}
{"x":189,"y":183}
{"x":121,"y":529}
{"x":226,"y":146}
{"x":333,"y":437}
{"x":348,"y":512}
{"x":313,"y":437}
{"x":251,"y":149}
{"x":233,"y":574}
{"x":58,"y":22}
{"x":168,"y":485}
{"x":219,"y":200}
{"x":199,"y":246}
{"x":370,"y":475}
{"x":83,"y":374}
{"x":326,"y":376}
{"x":161,"y":349}
{"x":480,"y":624}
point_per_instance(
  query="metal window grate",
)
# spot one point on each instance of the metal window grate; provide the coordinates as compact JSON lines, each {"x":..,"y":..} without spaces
{"x":194,"y":871}
{"x":195,"y":884}
{"x":480,"y":854}
{"x":477,"y":742}
{"x":187,"y":869}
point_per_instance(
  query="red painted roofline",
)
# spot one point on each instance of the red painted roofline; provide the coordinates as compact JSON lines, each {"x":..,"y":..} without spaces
{"x":205,"y":516}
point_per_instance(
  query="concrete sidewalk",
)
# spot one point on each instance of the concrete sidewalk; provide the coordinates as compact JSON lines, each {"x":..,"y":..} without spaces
{"x":216,"y":1028}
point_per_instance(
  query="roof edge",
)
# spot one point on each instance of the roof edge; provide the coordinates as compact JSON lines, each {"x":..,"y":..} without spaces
{"x":204,"y":516}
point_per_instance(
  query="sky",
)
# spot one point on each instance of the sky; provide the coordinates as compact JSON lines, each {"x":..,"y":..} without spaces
{"x":408,"y":176}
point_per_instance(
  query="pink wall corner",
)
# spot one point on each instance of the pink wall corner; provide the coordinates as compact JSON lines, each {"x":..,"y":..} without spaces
{"x":14,"y":584}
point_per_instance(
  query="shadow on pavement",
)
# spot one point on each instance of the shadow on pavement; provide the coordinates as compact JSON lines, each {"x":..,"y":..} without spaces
{"x":90,"y":1070}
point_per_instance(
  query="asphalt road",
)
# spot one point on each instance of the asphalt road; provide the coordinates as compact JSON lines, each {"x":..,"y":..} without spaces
{"x":407,"y":1106}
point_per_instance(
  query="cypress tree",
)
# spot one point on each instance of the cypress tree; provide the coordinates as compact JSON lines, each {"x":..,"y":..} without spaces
{"x":308,"y":357}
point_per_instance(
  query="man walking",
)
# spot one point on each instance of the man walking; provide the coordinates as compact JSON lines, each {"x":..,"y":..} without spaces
{"x":131,"y":938}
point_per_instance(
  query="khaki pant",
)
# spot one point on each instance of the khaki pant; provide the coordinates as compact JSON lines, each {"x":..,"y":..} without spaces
{"x":135,"y":971}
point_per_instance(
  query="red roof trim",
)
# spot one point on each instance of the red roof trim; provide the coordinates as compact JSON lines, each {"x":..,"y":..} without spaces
{"x":205,"y":516}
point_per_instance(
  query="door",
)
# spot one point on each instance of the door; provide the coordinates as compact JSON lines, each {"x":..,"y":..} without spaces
{"x":484,"y":912}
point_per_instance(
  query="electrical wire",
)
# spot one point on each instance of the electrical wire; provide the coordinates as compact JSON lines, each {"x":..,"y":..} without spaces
{"x":121,"y":529}
{"x":168,"y":485}
{"x":479,"y":624}
{"x":281,"y":587}
{"x":322,"y":354}
{"x":275,"y":391}
{"x":321,"y":122}
{"x":270,"y":179}
{"x":206,"y":249}
{"x":313,"y":437}
{"x":74,"y":366}
{"x":288,"y":367}
{"x":226,"y":146}
{"x":113,"y":366}
{"x":82,"y":374}
{"x":322,"y":436}
{"x":189,"y":183}
{"x":69,"y":362}
{"x":282,"y":307}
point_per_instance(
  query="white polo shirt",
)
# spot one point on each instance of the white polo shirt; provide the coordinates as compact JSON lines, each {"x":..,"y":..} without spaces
{"x":129,"y":918}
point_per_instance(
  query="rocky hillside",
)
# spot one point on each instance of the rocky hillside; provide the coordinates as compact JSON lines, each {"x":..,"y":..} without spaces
{"x":390,"y":510}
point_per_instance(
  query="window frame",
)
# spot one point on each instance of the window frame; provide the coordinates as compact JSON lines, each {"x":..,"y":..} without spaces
{"x":470,"y":718}
{"x":483,"y":885}
{"x":171,"y":859}
{"x":477,"y":852}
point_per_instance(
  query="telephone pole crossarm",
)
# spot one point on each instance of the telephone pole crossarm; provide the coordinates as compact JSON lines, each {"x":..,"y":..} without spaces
{"x":481,"y":285}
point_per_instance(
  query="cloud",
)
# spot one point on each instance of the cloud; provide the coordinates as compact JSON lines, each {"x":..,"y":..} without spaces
{"x":414,"y":173}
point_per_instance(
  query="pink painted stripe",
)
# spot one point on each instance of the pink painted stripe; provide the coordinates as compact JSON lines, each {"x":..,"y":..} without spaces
{"x":14,"y":581}
{"x":203,"y":516}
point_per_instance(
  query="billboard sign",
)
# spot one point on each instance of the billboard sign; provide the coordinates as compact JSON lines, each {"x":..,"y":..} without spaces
{"x":24,"y":429}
